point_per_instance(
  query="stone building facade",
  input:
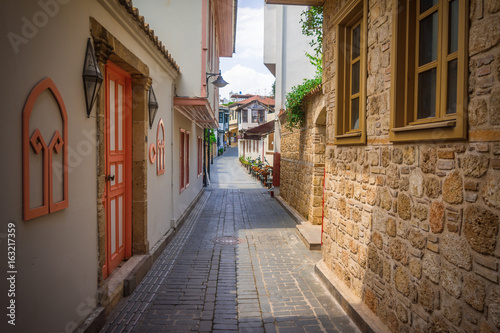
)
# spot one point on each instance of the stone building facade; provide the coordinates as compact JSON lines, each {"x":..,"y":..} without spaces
{"x":411,"y":226}
{"x":303,"y":160}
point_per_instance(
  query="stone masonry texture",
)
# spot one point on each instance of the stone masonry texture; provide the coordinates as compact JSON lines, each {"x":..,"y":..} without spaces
{"x":302,"y":164}
{"x":203,"y":282}
{"x":413,"y":228}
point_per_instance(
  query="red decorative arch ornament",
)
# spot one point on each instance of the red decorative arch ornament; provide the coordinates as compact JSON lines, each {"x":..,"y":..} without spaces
{"x":160,"y":144}
{"x":35,"y":144}
{"x":152,"y":153}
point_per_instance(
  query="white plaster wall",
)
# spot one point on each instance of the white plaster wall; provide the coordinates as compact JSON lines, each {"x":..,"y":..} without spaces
{"x":178,"y":25}
{"x":295,"y":45}
{"x":159,"y":186}
{"x":56,"y":254}
{"x":270,"y":41}
{"x":249,"y":150}
{"x":183,"y":199}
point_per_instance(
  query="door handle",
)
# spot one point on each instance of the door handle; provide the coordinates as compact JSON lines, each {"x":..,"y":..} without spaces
{"x":110,"y":178}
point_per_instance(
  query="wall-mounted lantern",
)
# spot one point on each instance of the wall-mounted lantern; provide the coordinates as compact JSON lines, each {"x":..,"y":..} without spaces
{"x":153,"y":107}
{"x":92,"y":78}
{"x":219,"y":82}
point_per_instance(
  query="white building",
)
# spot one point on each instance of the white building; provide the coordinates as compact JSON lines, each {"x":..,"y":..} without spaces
{"x":284,"y":52}
{"x":197,"y":32}
{"x":255,"y":131}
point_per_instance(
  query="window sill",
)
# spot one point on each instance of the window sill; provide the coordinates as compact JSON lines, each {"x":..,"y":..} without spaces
{"x":442,"y":124}
{"x":353,"y":138}
{"x":348,"y":135}
{"x":451,"y":129}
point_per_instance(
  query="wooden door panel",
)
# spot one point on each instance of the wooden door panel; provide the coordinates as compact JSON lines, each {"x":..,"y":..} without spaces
{"x":118,"y":166}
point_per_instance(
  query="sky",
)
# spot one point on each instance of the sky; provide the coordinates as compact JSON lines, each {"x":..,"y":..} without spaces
{"x":245,"y":71}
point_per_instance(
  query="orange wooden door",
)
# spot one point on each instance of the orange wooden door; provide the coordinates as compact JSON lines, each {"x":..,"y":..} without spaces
{"x":118,"y":128}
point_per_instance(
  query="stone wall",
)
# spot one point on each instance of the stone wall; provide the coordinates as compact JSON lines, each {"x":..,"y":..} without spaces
{"x":302,"y":162}
{"x":412,"y":229}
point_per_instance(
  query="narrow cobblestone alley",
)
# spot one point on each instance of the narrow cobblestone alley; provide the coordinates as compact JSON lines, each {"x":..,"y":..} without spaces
{"x":235,"y":265}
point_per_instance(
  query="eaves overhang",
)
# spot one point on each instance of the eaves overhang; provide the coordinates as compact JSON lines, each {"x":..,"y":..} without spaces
{"x":225,"y":15}
{"x":198,"y":110}
{"x":296,"y":2}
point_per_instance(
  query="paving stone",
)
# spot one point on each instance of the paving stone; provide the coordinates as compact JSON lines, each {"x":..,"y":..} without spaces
{"x":266,"y":283}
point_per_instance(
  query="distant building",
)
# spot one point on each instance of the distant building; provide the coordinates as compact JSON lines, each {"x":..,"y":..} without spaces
{"x":253,"y":113}
{"x":235,"y":120}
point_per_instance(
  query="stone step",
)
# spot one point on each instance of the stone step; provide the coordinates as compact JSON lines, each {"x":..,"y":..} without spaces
{"x":310,"y":235}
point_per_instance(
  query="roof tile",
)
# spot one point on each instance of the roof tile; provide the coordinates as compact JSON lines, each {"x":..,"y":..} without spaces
{"x":134,"y":12}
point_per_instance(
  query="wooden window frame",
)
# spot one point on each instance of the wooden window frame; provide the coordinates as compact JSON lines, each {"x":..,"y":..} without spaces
{"x":187,"y":156}
{"x":200,"y":156}
{"x":353,"y":14}
{"x":255,"y":116}
{"x":404,"y":125}
{"x":183,"y":160}
{"x":182,"y":140}
{"x":270,"y":142}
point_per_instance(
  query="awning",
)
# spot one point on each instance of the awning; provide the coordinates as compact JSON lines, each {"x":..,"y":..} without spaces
{"x":198,"y":110}
{"x":251,"y":137}
{"x":225,"y":16}
{"x":261,"y":129}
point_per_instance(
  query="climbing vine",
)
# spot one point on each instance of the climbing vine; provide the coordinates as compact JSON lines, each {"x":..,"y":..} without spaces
{"x":294,"y":102}
{"x":312,"y":26}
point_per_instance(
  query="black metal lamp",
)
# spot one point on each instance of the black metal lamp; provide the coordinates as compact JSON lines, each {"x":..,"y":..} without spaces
{"x":153,"y":106}
{"x":92,"y":78}
{"x":219,"y":82}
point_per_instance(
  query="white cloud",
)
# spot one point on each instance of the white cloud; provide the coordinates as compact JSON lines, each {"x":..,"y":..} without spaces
{"x":250,"y":33}
{"x":247,"y":80}
{"x":245,"y":71}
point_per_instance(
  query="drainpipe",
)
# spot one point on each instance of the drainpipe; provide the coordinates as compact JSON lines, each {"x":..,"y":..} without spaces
{"x":205,"y":157}
{"x":323,"y":203}
{"x":208,"y":152}
{"x":172,"y":213}
{"x":263,"y":151}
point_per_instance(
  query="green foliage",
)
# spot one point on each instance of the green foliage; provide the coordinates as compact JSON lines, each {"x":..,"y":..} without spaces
{"x":273,"y":88}
{"x":244,"y":161}
{"x":213,"y":138}
{"x":294,"y":102}
{"x":312,"y":26}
